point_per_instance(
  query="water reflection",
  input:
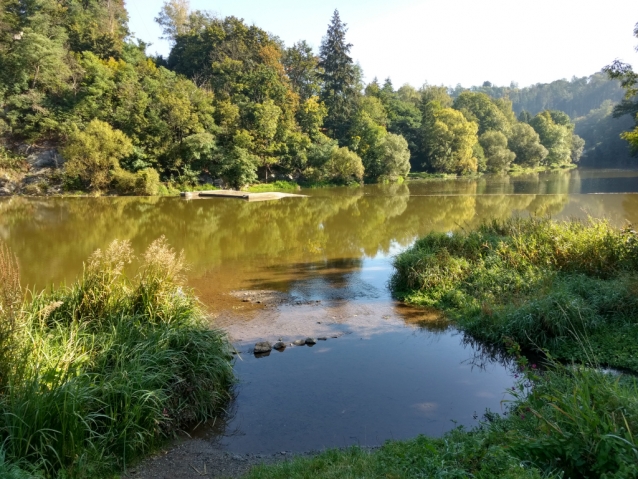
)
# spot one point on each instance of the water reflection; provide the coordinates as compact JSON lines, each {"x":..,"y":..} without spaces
{"x":396,"y":371}
{"x":231,"y":242}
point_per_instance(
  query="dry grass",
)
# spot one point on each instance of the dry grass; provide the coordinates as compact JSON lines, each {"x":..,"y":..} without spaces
{"x":10,"y":289}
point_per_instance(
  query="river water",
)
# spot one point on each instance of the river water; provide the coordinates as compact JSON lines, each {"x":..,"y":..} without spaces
{"x":319,"y":267}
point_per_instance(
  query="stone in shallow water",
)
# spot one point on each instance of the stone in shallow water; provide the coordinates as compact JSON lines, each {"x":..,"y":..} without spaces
{"x":279,"y":345}
{"x":299,"y":342}
{"x":323,"y":339}
{"x":263,"y":347}
{"x":311,"y":341}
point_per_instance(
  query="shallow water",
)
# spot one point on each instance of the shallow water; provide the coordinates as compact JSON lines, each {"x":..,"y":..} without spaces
{"x":319,"y":266}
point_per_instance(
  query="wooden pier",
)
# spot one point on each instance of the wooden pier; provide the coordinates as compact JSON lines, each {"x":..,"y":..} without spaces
{"x":240,"y":195}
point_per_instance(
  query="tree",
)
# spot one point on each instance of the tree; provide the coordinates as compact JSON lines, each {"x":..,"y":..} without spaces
{"x":448,"y":140}
{"x":629,"y":81}
{"x":394,"y":157}
{"x":301,"y":66}
{"x":98,"y":26}
{"x":486,"y":113}
{"x":339,"y":91}
{"x":525,"y":143}
{"x":602,"y":133}
{"x":498,"y":157}
{"x":345,"y":165}
{"x":556,"y":137}
{"x":173,"y":18}
{"x":93,"y":154}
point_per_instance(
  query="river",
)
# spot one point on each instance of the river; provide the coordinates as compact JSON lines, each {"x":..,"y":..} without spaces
{"x":319,"y":266}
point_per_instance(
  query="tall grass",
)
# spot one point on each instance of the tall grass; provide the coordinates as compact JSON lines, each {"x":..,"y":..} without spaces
{"x":540,"y":282}
{"x":107,"y":369}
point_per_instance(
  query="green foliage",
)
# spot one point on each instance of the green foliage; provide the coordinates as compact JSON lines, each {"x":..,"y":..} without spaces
{"x":108,"y":368}
{"x":394,"y":157}
{"x":301,"y":66}
{"x":339,"y":92}
{"x":541,"y":283}
{"x":458,"y":454}
{"x":555,"y":133}
{"x":344,"y":166}
{"x":145,"y":182}
{"x":497,"y":157}
{"x":94,"y":153}
{"x":526,"y":145}
{"x":11,"y":161}
{"x":481,"y":109}
{"x":573,"y":419}
{"x":449,"y":139}
{"x":602,"y":134}
{"x":275,"y":186}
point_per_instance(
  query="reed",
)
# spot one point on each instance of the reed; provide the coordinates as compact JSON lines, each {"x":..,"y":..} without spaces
{"x":110,"y":367}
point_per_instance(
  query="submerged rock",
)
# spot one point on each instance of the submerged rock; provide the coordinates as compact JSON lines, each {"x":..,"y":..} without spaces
{"x":263,"y":347}
{"x":311,"y":341}
{"x":279,"y":345}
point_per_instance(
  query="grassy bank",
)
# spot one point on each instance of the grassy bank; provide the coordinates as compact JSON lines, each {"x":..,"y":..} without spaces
{"x":101,"y":372}
{"x":570,"y":287}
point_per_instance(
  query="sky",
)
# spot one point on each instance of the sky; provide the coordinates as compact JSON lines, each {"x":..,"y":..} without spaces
{"x":442,"y":42}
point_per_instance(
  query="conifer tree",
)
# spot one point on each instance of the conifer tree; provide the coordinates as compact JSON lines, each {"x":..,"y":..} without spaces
{"x":339,"y":92}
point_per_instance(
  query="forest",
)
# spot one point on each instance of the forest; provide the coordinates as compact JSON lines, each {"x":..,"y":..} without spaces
{"x":231,"y":102}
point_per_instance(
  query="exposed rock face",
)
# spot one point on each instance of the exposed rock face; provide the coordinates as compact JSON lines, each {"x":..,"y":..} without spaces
{"x":45,"y":158}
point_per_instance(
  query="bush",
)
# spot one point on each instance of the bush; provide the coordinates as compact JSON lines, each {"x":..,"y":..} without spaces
{"x":94,"y":153}
{"x":345,"y":165}
{"x":108,"y":368}
{"x":143,"y":183}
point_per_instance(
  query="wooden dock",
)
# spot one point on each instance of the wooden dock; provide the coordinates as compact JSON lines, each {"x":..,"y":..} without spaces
{"x":240,"y":195}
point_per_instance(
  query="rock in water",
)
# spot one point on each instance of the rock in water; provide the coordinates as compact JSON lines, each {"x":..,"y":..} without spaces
{"x":263,"y":347}
{"x":279,"y":345}
{"x":311,"y":341}
{"x":299,"y":342}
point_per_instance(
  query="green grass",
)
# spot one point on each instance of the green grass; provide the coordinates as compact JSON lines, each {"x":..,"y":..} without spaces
{"x":459,"y":454}
{"x":422,"y":175}
{"x":544,"y":284}
{"x":275,"y":186}
{"x":12,"y":162}
{"x":106,"y":370}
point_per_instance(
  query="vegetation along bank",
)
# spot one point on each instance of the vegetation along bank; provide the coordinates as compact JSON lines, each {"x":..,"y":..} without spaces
{"x":83,"y":108}
{"x":568,"y":291}
{"x":94,"y":375}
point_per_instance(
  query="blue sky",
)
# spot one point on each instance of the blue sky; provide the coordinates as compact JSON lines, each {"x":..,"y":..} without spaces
{"x":443,"y":41}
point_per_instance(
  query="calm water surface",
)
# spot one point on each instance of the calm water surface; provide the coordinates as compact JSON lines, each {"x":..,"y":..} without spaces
{"x":394,"y":372}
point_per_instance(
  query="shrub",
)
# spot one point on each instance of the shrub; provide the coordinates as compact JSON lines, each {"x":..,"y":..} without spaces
{"x":93,"y":153}
{"x":540,"y":282}
{"x":145,"y":182}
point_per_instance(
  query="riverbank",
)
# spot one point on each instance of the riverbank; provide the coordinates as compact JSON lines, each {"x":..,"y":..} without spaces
{"x":568,"y":287}
{"x":566,"y":290}
{"x":98,"y":374}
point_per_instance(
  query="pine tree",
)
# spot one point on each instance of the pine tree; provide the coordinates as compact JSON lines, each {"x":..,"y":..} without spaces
{"x":339,"y":92}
